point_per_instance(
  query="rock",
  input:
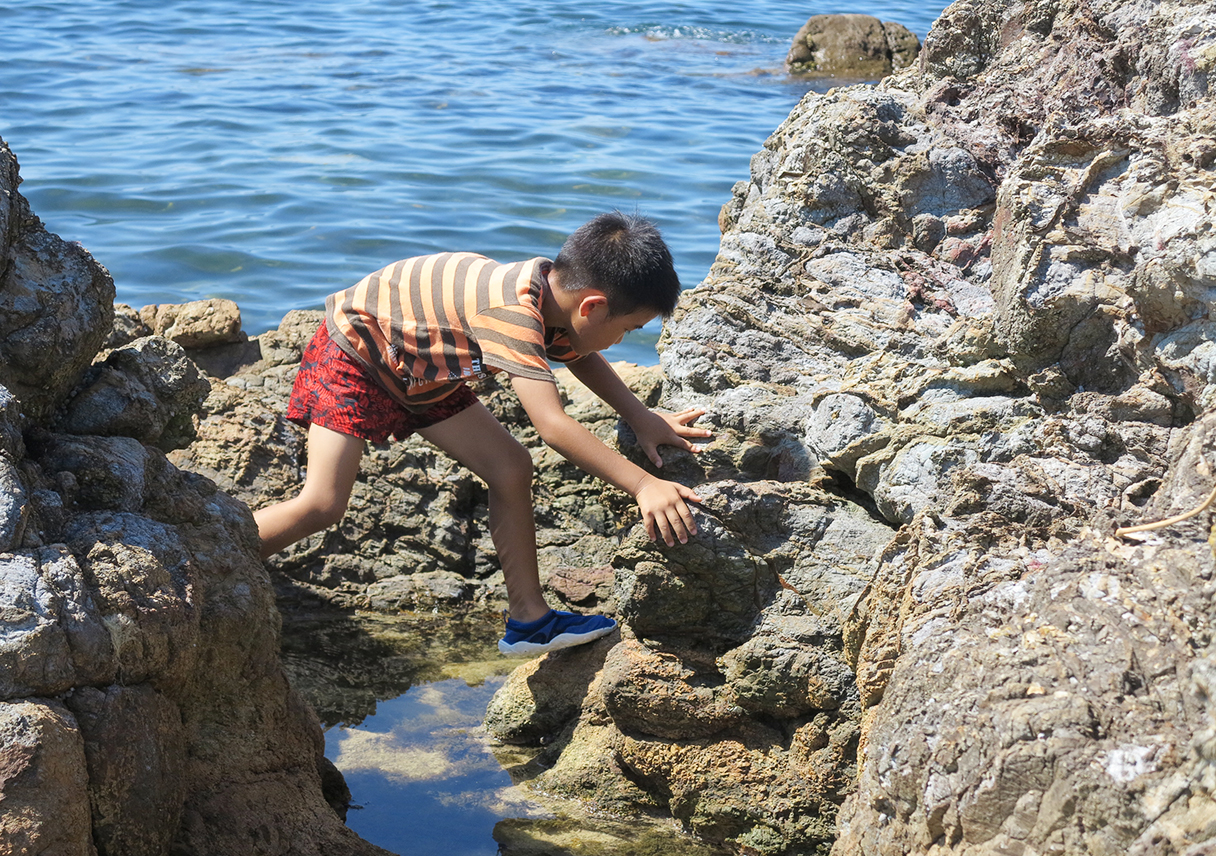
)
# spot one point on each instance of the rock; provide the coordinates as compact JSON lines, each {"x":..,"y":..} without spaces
{"x":57,"y":637}
{"x":709,"y":590}
{"x":1010,"y":367}
{"x":13,"y":505}
{"x":584,"y":586}
{"x":787,"y":671}
{"x":423,"y":590}
{"x":683,"y":709}
{"x":853,"y":46}
{"x":56,"y":303}
{"x":663,"y":694}
{"x":43,"y":779}
{"x":546,"y":694}
{"x":591,"y":837}
{"x":134,"y":746}
{"x":143,"y":704}
{"x":128,"y":326}
{"x":148,"y":390}
{"x":197,"y":324}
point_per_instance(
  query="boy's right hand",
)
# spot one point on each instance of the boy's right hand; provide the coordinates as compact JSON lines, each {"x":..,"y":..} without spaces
{"x":665,"y":511}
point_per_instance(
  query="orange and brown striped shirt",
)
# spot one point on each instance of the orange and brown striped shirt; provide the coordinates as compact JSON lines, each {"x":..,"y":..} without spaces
{"x":423,"y":325}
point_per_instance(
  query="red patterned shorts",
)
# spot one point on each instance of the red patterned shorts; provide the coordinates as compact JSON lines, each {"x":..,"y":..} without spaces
{"x":334,"y":391}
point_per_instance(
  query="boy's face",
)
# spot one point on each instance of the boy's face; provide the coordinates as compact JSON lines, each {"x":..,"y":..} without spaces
{"x":596,"y":328}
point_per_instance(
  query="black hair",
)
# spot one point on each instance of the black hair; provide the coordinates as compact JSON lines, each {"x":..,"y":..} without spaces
{"x":623,"y":256}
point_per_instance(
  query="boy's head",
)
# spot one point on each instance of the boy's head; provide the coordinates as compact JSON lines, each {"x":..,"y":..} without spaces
{"x":626,"y":258}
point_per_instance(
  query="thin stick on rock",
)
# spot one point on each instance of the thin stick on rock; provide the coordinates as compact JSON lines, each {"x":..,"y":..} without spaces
{"x":1169,"y":521}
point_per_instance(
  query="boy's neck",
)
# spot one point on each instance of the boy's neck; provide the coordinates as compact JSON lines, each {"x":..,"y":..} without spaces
{"x":557,"y":307}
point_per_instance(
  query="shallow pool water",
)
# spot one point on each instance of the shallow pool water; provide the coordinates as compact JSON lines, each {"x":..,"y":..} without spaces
{"x":402,"y":700}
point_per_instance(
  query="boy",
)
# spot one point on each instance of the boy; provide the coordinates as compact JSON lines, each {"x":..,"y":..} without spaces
{"x":392,"y":356}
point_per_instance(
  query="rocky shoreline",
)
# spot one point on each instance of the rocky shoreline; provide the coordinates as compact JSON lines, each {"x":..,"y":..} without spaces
{"x":958,"y":331}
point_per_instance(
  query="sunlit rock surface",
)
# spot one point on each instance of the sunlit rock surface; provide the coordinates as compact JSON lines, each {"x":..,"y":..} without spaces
{"x":979,"y":294}
{"x":853,"y":47}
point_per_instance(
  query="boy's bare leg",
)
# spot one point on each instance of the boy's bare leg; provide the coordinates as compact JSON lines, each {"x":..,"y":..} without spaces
{"x":478,"y":441}
{"x":333,"y":466}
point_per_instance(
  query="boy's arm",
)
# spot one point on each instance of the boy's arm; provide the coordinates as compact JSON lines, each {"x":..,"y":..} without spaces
{"x":663,"y":503}
{"x":653,"y":429}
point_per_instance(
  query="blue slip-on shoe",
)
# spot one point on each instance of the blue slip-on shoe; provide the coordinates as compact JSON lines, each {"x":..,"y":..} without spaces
{"x":553,"y":631}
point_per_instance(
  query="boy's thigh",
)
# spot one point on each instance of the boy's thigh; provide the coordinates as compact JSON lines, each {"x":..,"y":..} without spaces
{"x":476,"y":439}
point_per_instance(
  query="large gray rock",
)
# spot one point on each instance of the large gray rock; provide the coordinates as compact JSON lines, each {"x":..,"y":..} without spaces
{"x":56,"y":303}
{"x":143,"y":705}
{"x":148,"y":390}
{"x":978,"y":295}
{"x":1061,"y":703}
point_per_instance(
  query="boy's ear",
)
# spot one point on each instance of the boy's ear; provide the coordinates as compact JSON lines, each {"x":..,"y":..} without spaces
{"x":591,"y":303}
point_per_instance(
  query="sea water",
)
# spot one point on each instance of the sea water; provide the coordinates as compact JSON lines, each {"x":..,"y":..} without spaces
{"x":274,"y":151}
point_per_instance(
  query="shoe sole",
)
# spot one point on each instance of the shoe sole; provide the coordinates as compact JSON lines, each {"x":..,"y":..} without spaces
{"x":557,"y":643}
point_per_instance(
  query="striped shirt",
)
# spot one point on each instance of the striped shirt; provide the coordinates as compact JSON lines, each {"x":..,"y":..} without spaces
{"x":424,"y":325}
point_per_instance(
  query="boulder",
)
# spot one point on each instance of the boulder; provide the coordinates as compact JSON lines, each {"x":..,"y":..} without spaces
{"x":148,"y":390}
{"x":43,"y":780}
{"x":197,"y":324}
{"x":143,"y":705}
{"x":858,"y":47}
{"x":56,"y":303}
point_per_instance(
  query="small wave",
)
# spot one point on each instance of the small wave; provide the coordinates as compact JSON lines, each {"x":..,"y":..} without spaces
{"x":666,"y":32}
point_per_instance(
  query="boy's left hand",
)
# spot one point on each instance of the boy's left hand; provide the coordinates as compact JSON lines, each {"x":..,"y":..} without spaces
{"x":669,"y":429}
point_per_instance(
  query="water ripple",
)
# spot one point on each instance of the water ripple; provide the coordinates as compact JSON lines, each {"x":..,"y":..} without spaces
{"x":273,"y":152}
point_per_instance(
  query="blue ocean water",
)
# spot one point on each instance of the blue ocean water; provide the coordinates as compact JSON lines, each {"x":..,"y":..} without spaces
{"x":274,"y":151}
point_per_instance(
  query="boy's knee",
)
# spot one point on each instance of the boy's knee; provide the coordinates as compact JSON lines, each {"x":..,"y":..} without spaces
{"x":323,"y":513}
{"x":513,"y":469}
